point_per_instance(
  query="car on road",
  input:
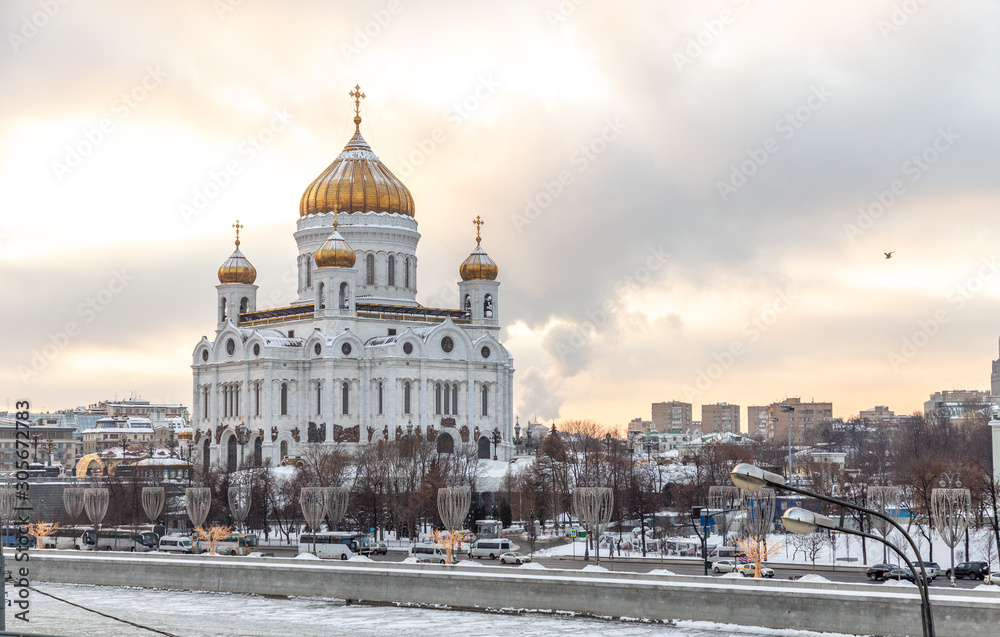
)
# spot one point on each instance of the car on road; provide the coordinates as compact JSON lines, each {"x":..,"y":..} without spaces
{"x":972,"y":570}
{"x":723,"y":566}
{"x":514,"y":558}
{"x":993,"y":578}
{"x":749,"y":570}
{"x":380,"y":548}
{"x":898,"y":573}
{"x":932,"y":569}
{"x":877,"y":572}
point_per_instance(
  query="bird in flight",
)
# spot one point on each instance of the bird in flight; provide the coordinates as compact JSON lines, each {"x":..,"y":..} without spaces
{"x":888,"y":255}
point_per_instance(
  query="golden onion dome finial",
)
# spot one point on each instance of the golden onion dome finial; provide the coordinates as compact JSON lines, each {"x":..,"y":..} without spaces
{"x":238,"y":228}
{"x":237,"y":268}
{"x":358,"y":96}
{"x":479,"y":226}
{"x":478,"y":266}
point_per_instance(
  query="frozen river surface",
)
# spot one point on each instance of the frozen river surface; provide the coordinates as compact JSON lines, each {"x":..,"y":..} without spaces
{"x":193,"y":614}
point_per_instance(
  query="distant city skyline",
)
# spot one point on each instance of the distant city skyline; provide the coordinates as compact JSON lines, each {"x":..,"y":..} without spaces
{"x":686,"y":202}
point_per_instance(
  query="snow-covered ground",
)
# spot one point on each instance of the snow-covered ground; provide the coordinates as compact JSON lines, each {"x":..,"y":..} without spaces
{"x":190,"y":614}
{"x":795,"y":549}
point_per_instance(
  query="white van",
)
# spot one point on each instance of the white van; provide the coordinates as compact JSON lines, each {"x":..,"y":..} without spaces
{"x":430,"y":553}
{"x":490,"y":548}
{"x":175,"y":544}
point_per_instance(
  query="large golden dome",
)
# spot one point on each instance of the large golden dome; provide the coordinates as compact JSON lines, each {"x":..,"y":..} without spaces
{"x":356,"y":181}
{"x":237,"y":268}
{"x":335,"y":251}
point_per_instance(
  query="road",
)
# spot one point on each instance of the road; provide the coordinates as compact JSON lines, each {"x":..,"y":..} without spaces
{"x":679,"y":566}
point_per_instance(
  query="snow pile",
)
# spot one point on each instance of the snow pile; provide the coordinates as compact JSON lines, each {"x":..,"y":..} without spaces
{"x":899,"y":582}
{"x":811,"y":577}
{"x":258,"y":554}
{"x":740,"y":575}
{"x":410,"y":560}
{"x":661,"y":571}
{"x":987,"y":587}
{"x":360,"y":558}
{"x":537,"y":565}
{"x":470,"y":563}
{"x":592,"y":568}
{"x":305,"y":556}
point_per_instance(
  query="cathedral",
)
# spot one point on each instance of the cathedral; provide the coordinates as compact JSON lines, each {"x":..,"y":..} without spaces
{"x":355,"y":360}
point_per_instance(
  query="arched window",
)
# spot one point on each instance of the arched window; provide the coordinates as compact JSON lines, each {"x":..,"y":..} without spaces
{"x":380,"y":397}
{"x":345,"y":398}
{"x":231,"y":454}
{"x":483,"y":448}
{"x":392,"y":270}
{"x":256,"y":399}
{"x":467,"y":306}
{"x":204,"y":401}
{"x":319,"y":399}
{"x":406,"y":273}
{"x":488,"y":306}
{"x":454,"y":400}
{"x":309,"y":271}
{"x":406,"y":398}
{"x":445,"y":443}
{"x":344,"y":301}
{"x":437,"y":398}
{"x":486,"y":399}
{"x":244,"y":305}
{"x":284,"y":399}
{"x":222,"y":310}
{"x":283,"y":450}
{"x":319,"y":297}
{"x":206,"y":455}
{"x":445,"y":412}
{"x":258,"y":452}
{"x":370,"y":269}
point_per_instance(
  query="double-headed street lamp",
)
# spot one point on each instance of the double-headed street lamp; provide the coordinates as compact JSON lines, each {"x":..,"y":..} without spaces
{"x":496,"y":441}
{"x":798,"y":520}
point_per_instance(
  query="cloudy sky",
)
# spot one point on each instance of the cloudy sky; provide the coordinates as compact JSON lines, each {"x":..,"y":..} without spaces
{"x":687,"y":200}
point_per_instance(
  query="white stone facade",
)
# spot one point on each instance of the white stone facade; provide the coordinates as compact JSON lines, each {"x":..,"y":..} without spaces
{"x":365,"y":363}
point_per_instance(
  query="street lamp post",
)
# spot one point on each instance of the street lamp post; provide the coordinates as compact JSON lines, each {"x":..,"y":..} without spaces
{"x":34,"y":443}
{"x":242,"y":437}
{"x":788,"y":409}
{"x":496,"y":441}
{"x":751,"y":478}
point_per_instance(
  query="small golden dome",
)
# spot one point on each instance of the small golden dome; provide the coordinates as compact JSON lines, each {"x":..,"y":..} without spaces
{"x":356,"y":181}
{"x":478,"y":267}
{"x":237,"y":268}
{"x":335,"y":253}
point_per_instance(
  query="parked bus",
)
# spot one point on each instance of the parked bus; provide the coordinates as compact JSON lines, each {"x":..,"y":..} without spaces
{"x":233,"y":544}
{"x":335,"y":545}
{"x":66,"y":537}
{"x":119,"y":538}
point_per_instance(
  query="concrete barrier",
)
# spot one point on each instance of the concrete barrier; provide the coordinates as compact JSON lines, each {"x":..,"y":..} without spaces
{"x":860,"y":609}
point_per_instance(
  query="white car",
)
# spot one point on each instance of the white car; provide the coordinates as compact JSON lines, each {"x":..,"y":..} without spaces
{"x":724,"y":566}
{"x":993,"y":577}
{"x":514,"y":558}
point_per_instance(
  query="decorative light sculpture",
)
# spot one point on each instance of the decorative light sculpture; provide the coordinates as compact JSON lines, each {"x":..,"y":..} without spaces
{"x":593,"y":505}
{"x":73,"y":502}
{"x":95,"y":503}
{"x":453,"y":506}
{"x":197,"y":501}
{"x":726,"y":500}
{"x":336,"y":504}
{"x":239,"y":502}
{"x":153,"y":499}
{"x":950,"y":512}
{"x":885,"y":500}
{"x":312,"y":500}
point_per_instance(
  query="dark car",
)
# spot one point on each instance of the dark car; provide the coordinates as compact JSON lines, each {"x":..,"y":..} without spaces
{"x":877,"y":572}
{"x":972,"y":570}
{"x":900,"y":573}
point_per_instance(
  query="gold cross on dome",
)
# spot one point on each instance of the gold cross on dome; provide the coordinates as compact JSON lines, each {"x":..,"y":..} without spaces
{"x":238,"y":227}
{"x":479,"y":225}
{"x":358,"y":96}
